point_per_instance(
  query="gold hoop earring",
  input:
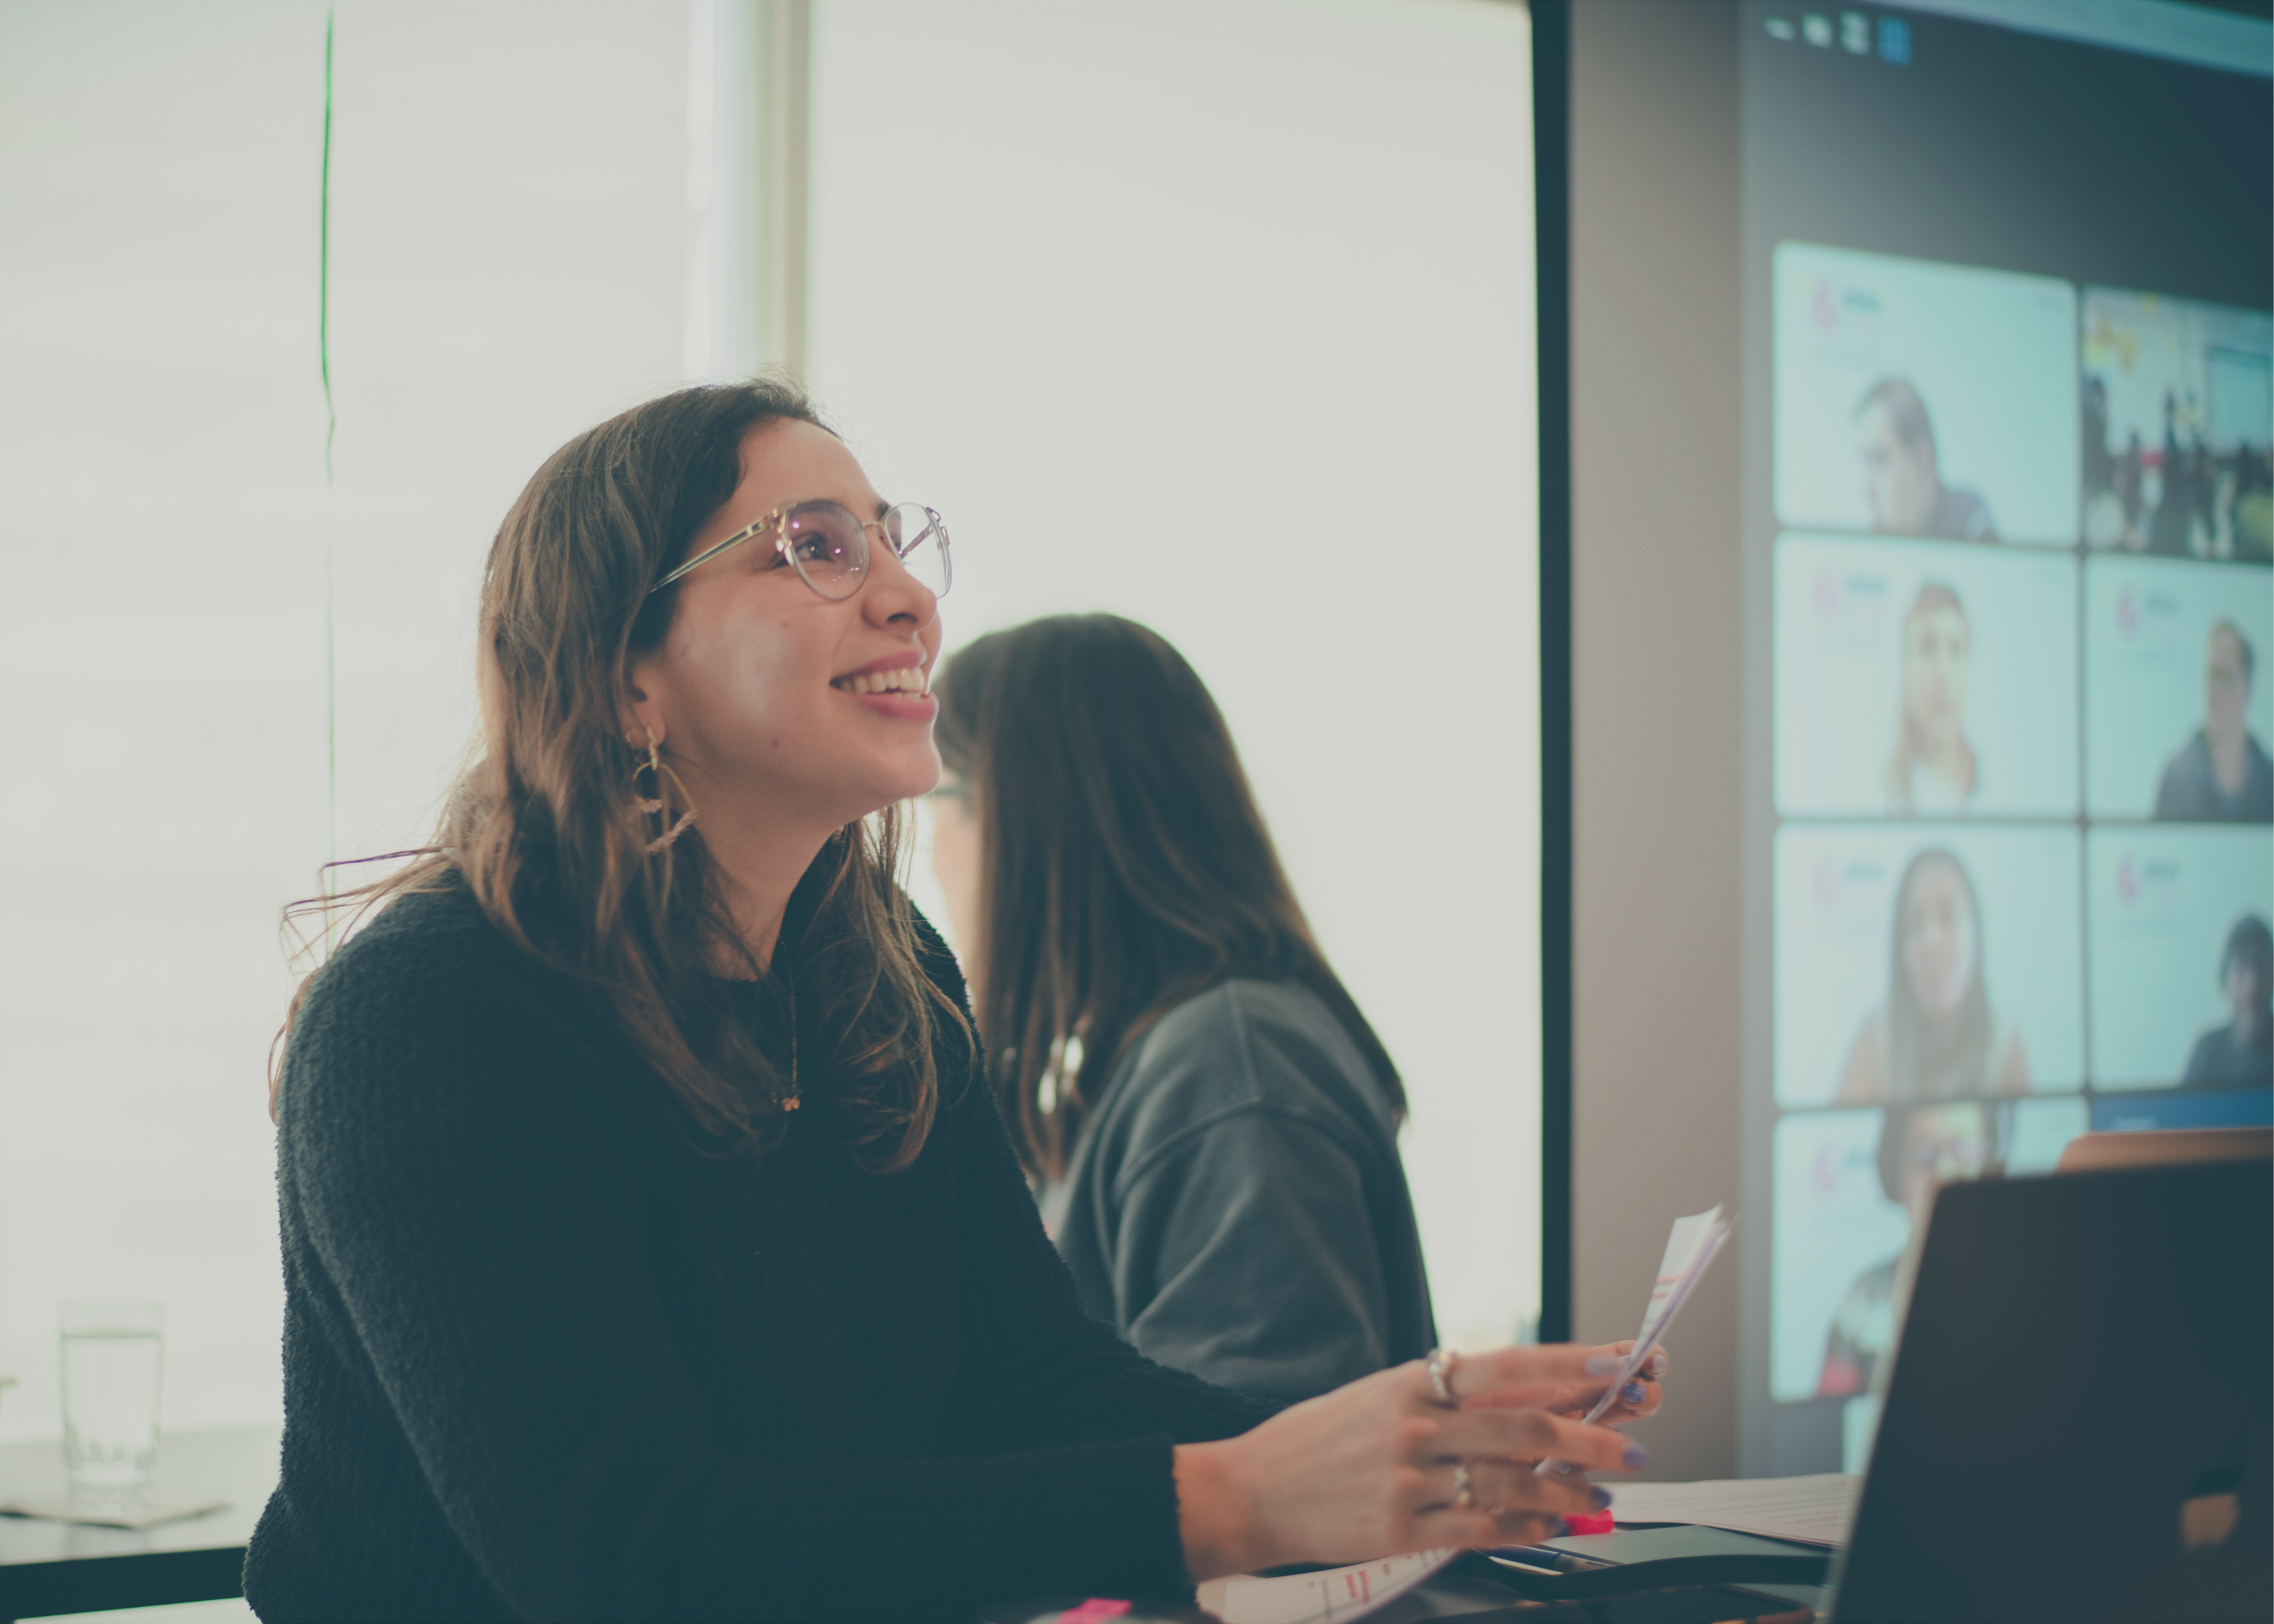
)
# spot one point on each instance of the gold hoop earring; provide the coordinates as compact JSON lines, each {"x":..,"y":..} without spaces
{"x":653,"y":806}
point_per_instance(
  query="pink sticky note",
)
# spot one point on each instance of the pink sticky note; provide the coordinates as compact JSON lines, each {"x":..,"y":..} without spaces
{"x":1096,"y":1610}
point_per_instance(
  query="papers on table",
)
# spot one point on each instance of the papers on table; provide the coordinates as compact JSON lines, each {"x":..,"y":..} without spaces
{"x":1815,"y":1510}
{"x":1338,"y":1593}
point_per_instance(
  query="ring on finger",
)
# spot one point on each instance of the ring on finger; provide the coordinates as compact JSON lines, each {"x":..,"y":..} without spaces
{"x":1442,"y":1362}
{"x":1465,"y":1489}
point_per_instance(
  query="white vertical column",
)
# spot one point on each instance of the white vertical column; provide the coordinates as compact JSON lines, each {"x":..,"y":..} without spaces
{"x":747,"y":164}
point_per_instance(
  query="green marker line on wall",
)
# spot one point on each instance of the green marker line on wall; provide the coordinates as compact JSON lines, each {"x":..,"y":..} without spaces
{"x":331,"y":429}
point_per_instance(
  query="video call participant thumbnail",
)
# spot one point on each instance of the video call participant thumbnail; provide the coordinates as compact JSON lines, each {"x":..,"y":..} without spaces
{"x":1922,"y":1148}
{"x":1902,"y":470}
{"x":1936,"y":1037}
{"x":1926,"y":678}
{"x":2176,"y":417}
{"x":1933,"y":768}
{"x":1921,"y":398}
{"x":2221,"y":775}
{"x":2241,"y":1052}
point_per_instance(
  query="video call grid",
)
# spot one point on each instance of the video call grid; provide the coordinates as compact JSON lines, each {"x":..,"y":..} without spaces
{"x":2113,"y":527}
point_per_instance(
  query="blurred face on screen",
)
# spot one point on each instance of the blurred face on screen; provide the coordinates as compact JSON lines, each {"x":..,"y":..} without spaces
{"x":1943,"y":1143}
{"x":1941,"y":945}
{"x":2226,"y":689}
{"x":2246,"y":995}
{"x":1938,"y":660}
{"x":1898,"y":480}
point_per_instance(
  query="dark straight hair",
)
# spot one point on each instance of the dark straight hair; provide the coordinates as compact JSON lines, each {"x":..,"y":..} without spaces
{"x":1124,"y":867}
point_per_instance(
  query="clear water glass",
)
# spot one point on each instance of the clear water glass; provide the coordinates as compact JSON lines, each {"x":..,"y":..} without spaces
{"x":113,"y":1358}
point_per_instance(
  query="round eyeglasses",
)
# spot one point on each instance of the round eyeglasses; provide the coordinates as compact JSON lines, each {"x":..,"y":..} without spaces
{"x":828,"y":546}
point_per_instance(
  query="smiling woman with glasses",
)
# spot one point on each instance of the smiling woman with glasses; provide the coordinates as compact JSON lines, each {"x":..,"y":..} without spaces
{"x":653,"y":1245}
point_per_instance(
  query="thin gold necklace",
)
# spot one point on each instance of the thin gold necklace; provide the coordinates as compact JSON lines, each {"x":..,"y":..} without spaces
{"x":790,"y":1101}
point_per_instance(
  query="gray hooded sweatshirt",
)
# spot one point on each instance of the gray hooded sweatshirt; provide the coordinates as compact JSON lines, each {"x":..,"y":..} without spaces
{"x":1235,"y":1206}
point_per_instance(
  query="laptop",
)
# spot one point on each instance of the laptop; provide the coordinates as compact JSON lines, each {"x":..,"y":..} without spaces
{"x":2078,"y":1419}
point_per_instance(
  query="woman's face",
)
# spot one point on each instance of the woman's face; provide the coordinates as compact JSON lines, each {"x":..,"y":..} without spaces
{"x":2246,"y":991}
{"x":1938,"y":656}
{"x":1940,"y":942}
{"x":2226,"y":691}
{"x":753,"y":686}
{"x":1899,"y":481}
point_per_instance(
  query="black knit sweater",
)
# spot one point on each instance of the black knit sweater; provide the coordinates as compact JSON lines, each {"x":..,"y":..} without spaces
{"x":547,"y":1359}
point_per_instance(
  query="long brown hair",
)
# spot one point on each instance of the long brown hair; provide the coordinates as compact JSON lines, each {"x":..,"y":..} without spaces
{"x":1125,"y":866}
{"x":551,"y":828}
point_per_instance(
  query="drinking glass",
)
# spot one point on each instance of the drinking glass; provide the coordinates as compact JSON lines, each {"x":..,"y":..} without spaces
{"x":112,"y":1356}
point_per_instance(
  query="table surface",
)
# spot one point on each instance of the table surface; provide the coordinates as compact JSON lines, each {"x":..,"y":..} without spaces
{"x":239,"y":1462}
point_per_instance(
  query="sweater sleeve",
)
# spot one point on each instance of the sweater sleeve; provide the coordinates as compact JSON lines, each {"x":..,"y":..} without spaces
{"x":1242,"y":1242}
{"x":450,"y":1155}
{"x":1267,"y":1209}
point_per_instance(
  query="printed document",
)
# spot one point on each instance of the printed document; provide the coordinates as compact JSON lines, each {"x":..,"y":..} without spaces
{"x":1815,"y":1510}
{"x":1689,"y":1249}
{"x":1340,"y":1594}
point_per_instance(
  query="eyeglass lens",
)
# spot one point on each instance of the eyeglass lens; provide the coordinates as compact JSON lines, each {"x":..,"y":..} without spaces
{"x":828,"y":546}
{"x":921,"y":541}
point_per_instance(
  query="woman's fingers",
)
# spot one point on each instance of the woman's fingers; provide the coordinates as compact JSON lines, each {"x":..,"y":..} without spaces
{"x":1574,"y":1378}
{"x":1640,"y":1396}
{"x":1638,"y":1399}
{"x":1531,"y":1435}
{"x":1483,"y":1530}
{"x":1529,"y":1528}
{"x":1523,"y":1377}
{"x":1476,"y":1530}
{"x":1509,"y":1485}
{"x":1507,"y":1505}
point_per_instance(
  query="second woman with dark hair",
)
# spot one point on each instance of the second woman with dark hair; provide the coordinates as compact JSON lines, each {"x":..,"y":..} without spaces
{"x":1209,"y":1120}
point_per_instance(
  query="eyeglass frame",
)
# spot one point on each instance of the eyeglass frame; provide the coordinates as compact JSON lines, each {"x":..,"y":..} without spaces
{"x":935,"y":525}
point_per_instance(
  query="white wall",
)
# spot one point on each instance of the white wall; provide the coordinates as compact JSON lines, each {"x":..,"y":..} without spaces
{"x":1221,"y":317}
{"x":509,"y":226}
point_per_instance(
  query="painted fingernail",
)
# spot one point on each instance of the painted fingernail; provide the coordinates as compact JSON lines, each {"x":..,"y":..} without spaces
{"x":1557,"y":1528}
{"x":1602,"y":1497}
{"x":1604,"y":1365}
{"x":1633,"y":1393}
{"x":1658,"y":1363}
{"x":1635,"y":1458}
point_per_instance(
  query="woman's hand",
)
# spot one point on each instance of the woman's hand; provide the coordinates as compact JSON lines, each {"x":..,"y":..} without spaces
{"x":1372,"y":1469}
{"x":1638,"y":1400}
